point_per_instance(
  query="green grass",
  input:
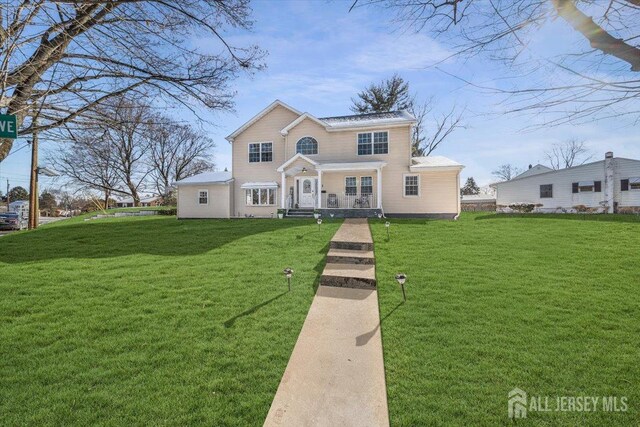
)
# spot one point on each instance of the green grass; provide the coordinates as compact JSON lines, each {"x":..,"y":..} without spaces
{"x":150,"y":320}
{"x":546,"y":303}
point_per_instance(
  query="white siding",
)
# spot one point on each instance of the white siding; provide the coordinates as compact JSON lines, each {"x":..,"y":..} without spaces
{"x":527,"y":190}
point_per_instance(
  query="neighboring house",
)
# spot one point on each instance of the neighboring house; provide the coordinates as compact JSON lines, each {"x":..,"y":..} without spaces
{"x":144,"y":202}
{"x":356,"y":165}
{"x":611,"y":185}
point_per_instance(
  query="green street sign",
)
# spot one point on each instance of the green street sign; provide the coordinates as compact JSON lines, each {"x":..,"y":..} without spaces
{"x":8,"y":126}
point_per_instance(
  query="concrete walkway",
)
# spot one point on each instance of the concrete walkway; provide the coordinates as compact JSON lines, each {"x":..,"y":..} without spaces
{"x":335,"y":376}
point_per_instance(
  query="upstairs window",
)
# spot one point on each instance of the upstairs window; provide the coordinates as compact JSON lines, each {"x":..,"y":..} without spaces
{"x":307,"y":146}
{"x":373,"y":143}
{"x":546,"y":191}
{"x":260,"y":152}
{"x":350,"y":185}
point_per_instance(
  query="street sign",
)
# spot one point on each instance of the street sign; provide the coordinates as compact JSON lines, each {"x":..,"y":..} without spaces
{"x":8,"y":126}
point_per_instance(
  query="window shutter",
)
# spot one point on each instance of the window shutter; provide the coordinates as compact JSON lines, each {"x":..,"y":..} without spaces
{"x":574,"y":187}
{"x":624,"y":185}
{"x":597,"y":186}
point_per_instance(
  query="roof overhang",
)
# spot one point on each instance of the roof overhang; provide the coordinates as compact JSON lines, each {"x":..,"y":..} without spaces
{"x":264,"y":184}
{"x":298,"y":156}
{"x":204,"y":182}
{"x":426,"y":168}
{"x":351,"y":166}
{"x":258,"y":116}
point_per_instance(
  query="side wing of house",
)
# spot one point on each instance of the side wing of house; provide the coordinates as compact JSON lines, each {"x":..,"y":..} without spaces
{"x":627,"y":184}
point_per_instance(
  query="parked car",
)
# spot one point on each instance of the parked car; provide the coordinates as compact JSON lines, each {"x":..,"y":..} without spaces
{"x":12,"y":221}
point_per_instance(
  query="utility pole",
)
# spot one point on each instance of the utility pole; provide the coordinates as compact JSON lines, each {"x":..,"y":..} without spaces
{"x":33,"y":182}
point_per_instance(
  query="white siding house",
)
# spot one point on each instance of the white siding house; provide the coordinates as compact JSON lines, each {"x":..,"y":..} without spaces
{"x":612,"y":184}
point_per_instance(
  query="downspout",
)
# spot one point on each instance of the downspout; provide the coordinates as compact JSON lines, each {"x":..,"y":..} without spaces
{"x":455,"y":218}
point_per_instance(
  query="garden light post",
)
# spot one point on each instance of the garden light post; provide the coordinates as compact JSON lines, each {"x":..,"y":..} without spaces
{"x":401,"y":278}
{"x":379,"y":215}
{"x":387,"y":224}
{"x":288,"y":272}
{"x":319,"y":221}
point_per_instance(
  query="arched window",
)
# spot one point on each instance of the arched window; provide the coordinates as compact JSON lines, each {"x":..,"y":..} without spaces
{"x":307,"y":145}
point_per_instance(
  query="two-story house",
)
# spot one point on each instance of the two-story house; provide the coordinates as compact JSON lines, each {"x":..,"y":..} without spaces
{"x":357,"y":165}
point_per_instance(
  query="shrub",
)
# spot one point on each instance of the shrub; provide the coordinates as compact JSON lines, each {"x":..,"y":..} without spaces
{"x":169,"y":212}
{"x":522,"y":207}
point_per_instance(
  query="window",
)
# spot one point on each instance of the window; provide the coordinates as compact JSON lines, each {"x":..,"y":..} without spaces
{"x":203,"y":197}
{"x":261,"y":196}
{"x":307,"y":145}
{"x":366,"y":185}
{"x":364,"y":144}
{"x":586,"y":187}
{"x":260,"y":152}
{"x":373,"y":143}
{"x":632,"y":184}
{"x":546,"y":191}
{"x":411,"y":185}
{"x":350,"y":185}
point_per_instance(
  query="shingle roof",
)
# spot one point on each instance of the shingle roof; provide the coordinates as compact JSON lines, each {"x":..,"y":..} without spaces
{"x":433,"y":162}
{"x":369,"y":118}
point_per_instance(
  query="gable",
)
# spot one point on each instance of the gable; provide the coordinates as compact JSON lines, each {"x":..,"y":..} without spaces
{"x":276,"y":115}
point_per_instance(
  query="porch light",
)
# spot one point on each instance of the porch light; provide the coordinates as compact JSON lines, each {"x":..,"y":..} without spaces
{"x":288,"y":272}
{"x":401,"y":278}
{"x":387,"y":225}
{"x":304,"y":170}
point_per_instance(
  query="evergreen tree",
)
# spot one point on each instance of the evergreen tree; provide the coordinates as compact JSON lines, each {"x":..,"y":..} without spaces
{"x":470,"y":187}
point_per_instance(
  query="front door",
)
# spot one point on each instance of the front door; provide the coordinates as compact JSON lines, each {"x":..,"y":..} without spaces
{"x":307,"y":192}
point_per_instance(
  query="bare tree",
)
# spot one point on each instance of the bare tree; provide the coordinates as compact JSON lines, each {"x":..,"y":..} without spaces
{"x":177,"y":152}
{"x":506,"y":172}
{"x":63,"y":58}
{"x":427,"y":138}
{"x":568,"y":154}
{"x":593,"y":79}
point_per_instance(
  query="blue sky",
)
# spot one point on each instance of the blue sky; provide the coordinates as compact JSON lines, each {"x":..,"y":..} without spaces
{"x":320,"y":56}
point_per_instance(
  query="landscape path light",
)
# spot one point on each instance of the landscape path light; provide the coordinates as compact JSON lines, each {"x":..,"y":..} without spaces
{"x":288,"y":272}
{"x":379,"y":215}
{"x":401,"y":278}
{"x":387,"y":224}
{"x":319,"y":221}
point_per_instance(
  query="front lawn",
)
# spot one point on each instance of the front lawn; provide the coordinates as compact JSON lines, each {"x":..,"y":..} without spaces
{"x":549,"y":304}
{"x":150,"y":320}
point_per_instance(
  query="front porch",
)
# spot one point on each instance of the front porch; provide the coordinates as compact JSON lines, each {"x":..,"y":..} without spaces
{"x":351,"y":189}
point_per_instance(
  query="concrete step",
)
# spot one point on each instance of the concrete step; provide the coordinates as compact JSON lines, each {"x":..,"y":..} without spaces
{"x":354,"y":246}
{"x":347,"y":256}
{"x":359,"y":276}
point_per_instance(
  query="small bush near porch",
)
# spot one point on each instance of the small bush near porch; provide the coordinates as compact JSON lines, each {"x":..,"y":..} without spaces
{"x":152,"y":321}
{"x":546,"y":303}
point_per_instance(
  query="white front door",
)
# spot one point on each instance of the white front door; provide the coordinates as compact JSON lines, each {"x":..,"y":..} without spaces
{"x":307,"y":192}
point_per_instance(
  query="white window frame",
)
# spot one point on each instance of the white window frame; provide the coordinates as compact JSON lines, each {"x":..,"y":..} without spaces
{"x":373,"y":153}
{"x":260,"y":143}
{"x":204,"y":190}
{"x":275,"y":196}
{"x":360,"y":186}
{"x":354,"y":186}
{"x":404,"y":186}
{"x":317,"y":146}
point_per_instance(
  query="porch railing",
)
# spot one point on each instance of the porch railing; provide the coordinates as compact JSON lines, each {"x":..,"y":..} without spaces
{"x":349,"y":201}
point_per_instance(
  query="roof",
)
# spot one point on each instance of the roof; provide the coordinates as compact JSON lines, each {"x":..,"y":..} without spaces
{"x":434,"y":163}
{"x":534,"y":170}
{"x":299,"y":120}
{"x":207,"y":178}
{"x":274,"y":104}
{"x":369,"y":119}
{"x":349,"y":166}
{"x":475,"y":198}
{"x":293,"y":159}
{"x":259,"y":184}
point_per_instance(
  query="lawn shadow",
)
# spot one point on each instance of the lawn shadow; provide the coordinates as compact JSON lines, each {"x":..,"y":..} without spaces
{"x":230,"y":322}
{"x":113,"y":238}
{"x":319,"y":267}
{"x":366,"y":337}
{"x":567,"y":216}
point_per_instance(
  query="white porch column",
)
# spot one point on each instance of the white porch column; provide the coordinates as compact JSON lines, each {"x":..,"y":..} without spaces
{"x":283,"y":191}
{"x":319,"y":189}
{"x":379,"y":182}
